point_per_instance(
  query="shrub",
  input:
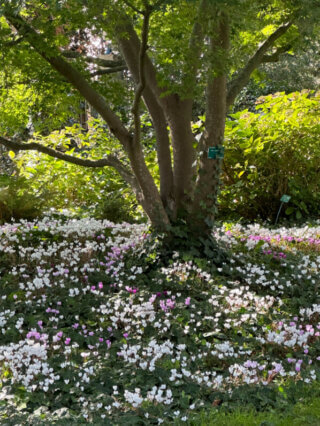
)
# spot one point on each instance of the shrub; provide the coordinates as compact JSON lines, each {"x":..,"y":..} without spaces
{"x":272,"y":152}
{"x":16,"y":201}
{"x":99,"y":192}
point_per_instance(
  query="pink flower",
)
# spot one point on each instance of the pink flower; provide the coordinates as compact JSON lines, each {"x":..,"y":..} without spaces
{"x":125,"y":335}
{"x":100,"y":285}
{"x":93,"y":287}
{"x":187,"y":301}
{"x":163,"y":305}
{"x":170,"y":303}
{"x":152,"y":298}
{"x":67,"y":341}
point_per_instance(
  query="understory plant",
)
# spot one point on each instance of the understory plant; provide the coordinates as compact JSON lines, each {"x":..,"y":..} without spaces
{"x":96,"y":329}
{"x":272,"y":152}
{"x":17,"y":201}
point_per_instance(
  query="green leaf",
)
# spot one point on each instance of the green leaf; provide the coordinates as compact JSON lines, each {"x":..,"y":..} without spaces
{"x":289,"y":210}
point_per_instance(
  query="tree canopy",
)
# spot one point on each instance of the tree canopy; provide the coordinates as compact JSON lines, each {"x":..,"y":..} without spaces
{"x":180,"y":58}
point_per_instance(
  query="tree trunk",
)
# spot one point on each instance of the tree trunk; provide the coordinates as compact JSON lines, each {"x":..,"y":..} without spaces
{"x":179,"y":116}
{"x":150,"y":197}
{"x":207,"y":186}
{"x":130,"y":45}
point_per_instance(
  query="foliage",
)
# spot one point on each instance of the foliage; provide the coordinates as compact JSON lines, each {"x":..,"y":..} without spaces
{"x":17,"y":201}
{"x":297,"y":71}
{"x":53,"y":56}
{"x":94,"y":328}
{"x":72,"y":189}
{"x":306,"y":412}
{"x":272,"y":152}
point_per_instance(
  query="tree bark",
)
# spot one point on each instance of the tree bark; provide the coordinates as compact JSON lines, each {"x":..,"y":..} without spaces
{"x":207,"y":185}
{"x":150,"y":198}
{"x":179,"y":116}
{"x":129,"y":45}
{"x":243,"y":77}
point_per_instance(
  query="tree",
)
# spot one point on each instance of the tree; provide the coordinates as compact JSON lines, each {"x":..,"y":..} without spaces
{"x":172,"y":50}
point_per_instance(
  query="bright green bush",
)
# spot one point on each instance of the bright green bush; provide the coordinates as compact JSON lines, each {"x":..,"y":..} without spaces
{"x":272,"y":152}
{"x":98,"y":192}
{"x":17,"y":201}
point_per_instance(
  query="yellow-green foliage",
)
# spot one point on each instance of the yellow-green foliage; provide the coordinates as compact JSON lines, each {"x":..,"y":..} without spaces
{"x":272,"y":152}
{"x":99,"y":192}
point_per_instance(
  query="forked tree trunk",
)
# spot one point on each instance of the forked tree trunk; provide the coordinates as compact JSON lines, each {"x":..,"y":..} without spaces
{"x":188,"y":188}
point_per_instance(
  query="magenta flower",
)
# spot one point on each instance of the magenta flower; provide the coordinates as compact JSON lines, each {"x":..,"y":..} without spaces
{"x":187,"y":301}
{"x":100,"y":285}
{"x":67,"y":341}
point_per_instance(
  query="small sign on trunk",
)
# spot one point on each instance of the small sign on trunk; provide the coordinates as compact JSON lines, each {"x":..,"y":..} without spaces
{"x":215,"y":152}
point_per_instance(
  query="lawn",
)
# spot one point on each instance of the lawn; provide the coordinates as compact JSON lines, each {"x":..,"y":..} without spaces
{"x":96,"y":327}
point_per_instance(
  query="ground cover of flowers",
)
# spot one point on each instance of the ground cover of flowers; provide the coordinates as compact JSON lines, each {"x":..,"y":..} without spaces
{"x":94,"y":328}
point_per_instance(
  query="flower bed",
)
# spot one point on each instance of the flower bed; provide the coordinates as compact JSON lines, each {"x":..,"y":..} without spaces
{"x":93,"y":327}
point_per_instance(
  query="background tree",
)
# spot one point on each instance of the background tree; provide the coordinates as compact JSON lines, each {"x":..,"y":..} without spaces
{"x":174,"y":53}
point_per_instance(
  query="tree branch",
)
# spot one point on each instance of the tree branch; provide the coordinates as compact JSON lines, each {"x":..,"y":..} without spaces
{"x":110,"y":160}
{"x":243,"y":77}
{"x":106,"y":63}
{"x":196,"y":38}
{"x":142,"y":77}
{"x":132,"y":6}
{"x":74,"y":77}
{"x":13,"y":42}
{"x":109,"y":71}
{"x":274,"y":57}
{"x":130,"y":44}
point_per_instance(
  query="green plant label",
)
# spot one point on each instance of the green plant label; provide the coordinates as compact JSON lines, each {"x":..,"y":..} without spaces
{"x":285,"y":198}
{"x":216,"y":152}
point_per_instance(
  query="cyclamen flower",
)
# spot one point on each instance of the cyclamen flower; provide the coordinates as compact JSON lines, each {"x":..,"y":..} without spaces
{"x":187,"y":301}
{"x":67,"y":341}
{"x":164,"y":305}
{"x":131,"y":290}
